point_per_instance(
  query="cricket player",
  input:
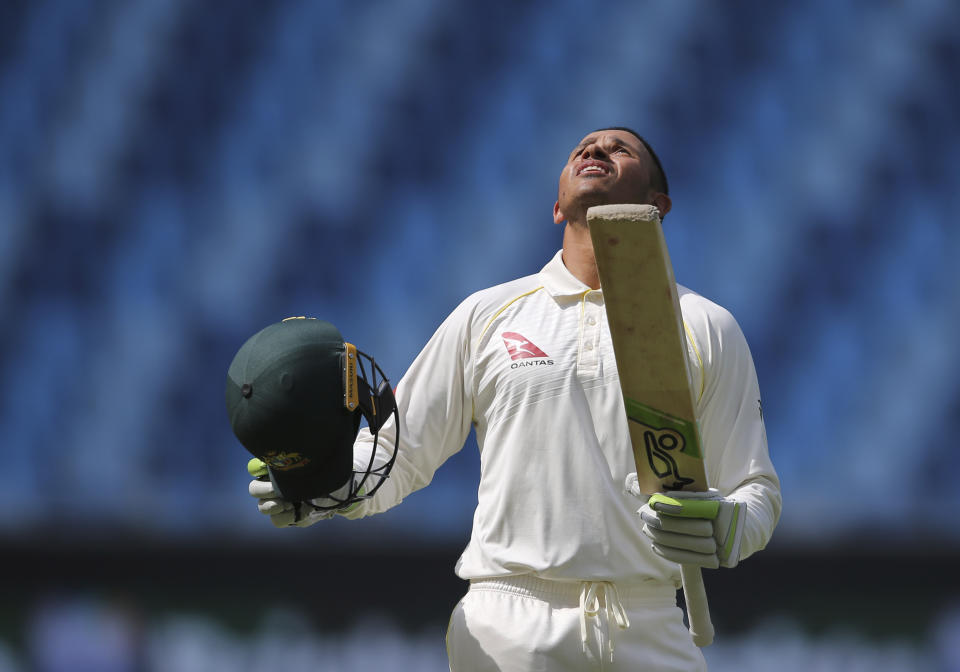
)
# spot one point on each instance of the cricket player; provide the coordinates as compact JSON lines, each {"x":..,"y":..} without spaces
{"x":564,"y":574}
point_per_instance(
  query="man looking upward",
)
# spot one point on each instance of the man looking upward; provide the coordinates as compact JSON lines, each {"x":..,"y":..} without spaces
{"x":563,"y":575}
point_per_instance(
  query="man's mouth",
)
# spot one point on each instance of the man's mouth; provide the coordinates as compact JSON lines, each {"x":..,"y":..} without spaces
{"x":591,"y":167}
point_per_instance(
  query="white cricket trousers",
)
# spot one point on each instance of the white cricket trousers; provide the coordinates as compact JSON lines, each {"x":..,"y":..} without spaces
{"x":527,"y":624}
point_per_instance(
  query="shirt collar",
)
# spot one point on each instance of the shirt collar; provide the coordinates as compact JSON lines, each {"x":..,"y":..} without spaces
{"x":557,"y":279}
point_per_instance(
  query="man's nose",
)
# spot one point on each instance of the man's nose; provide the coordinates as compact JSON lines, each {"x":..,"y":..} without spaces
{"x":594,"y":151}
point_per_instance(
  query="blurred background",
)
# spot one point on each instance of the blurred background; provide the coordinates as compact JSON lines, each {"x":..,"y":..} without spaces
{"x":175,"y":176}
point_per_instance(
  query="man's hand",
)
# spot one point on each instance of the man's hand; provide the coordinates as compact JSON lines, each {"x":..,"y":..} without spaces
{"x":282,"y":512}
{"x":693,"y":528}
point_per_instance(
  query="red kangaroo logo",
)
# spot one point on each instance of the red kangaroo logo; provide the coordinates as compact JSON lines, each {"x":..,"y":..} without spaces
{"x":519,"y":347}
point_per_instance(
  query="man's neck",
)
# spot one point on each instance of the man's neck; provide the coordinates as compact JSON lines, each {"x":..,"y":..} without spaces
{"x":578,"y":255}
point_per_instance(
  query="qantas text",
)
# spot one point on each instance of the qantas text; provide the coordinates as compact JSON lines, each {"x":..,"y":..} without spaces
{"x":531,"y":362}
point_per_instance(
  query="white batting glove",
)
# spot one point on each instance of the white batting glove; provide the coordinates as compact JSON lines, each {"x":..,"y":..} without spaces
{"x":692,"y":528}
{"x":282,"y":512}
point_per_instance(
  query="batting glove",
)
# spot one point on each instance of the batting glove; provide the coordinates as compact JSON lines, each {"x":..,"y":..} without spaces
{"x":283,"y":512}
{"x":693,"y":528}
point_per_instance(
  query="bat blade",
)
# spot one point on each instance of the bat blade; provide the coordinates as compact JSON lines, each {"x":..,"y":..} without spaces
{"x":650,"y":347}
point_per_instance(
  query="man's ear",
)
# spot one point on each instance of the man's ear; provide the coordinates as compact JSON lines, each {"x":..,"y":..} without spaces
{"x":662,"y":202}
{"x":558,"y":217}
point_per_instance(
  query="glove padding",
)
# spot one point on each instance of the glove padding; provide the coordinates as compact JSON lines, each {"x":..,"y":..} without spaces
{"x":692,"y":528}
{"x":283,"y":512}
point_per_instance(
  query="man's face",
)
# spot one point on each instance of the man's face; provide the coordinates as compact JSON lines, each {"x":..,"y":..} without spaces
{"x":606,"y":167}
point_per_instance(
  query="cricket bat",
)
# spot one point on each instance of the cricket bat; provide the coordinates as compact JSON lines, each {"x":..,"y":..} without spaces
{"x":650,"y":346}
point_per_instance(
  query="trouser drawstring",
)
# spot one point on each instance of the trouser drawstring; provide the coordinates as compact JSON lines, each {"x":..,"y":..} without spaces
{"x":591,"y":595}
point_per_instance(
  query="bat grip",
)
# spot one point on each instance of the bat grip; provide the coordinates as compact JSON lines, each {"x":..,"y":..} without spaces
{"x":698,"y":611}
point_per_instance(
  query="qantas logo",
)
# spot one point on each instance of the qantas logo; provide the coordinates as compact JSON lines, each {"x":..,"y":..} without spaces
{"x":519,"y":347}
{"x":523,"y":352}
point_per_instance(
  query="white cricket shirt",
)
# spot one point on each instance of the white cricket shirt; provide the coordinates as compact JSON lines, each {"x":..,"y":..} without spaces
{"x":530,"y":364}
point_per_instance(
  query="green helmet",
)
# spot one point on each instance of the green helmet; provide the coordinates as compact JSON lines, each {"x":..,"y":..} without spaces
{"x":296,"y":393}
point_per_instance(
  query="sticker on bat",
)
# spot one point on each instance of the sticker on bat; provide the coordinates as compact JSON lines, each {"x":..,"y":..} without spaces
{"x":660,"y":421}
{"x":658,"y":446}
{"x":668,"y":442}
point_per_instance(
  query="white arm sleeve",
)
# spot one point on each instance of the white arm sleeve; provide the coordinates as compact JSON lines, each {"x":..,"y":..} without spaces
{"x":731,"y":421}
{"x":435,"y":408}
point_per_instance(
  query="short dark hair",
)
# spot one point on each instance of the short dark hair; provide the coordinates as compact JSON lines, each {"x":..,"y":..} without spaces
{"x":659,"y":177}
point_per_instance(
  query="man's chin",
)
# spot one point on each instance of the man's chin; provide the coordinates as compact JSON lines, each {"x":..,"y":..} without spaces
{"x":592,"y":198}
{"x":596,"y":196}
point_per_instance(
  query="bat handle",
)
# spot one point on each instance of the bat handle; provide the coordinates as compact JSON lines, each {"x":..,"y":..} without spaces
{"x":698,"y":611}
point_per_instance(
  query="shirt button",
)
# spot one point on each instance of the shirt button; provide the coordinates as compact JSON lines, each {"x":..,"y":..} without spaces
{"x":591,"y":320}
{"x":589,"y":346}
